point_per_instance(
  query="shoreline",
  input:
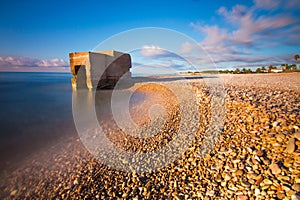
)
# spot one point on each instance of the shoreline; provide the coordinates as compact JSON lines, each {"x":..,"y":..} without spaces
{"x":253,"y":156}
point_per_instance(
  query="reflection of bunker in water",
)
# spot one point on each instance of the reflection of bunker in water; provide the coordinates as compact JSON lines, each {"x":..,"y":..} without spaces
{"x":98,"y":69}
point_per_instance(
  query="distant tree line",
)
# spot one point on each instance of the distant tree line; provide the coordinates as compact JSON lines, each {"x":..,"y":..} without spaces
{"x":266,"y":69}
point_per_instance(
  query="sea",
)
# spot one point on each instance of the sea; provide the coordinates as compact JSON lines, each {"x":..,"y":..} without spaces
{"x":36,"y":111}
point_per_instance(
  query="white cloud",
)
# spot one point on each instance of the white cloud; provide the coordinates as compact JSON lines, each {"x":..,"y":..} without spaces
{"x":248,"y":29}
{"x":187,"y":47}
{"x":267,"y":4}
{"x":25,"y":63}
{"x":214,"y":35}
{"x":237,"y":12}
{"x":291,"y":4}
{"x":52,"y":63}
{"x":215,"y":42}
{"x":152,"y":51}
{"x":9,"y":58}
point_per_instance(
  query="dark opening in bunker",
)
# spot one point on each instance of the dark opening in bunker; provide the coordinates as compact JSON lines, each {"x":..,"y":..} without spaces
{"x":77,"y":67}
{"x":80,"y":71}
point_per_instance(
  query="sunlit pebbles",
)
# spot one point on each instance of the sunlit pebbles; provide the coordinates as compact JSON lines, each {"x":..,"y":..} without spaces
{"x":248,"y":161}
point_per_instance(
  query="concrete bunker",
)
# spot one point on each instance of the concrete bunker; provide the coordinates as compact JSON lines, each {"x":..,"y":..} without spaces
{"x":98,"y":69}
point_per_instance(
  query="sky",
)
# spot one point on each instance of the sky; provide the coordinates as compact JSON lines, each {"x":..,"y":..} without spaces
{"x":38,"y":35}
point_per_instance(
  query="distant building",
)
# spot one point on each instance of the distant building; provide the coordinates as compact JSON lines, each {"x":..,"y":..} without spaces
{"x":277,"y":70}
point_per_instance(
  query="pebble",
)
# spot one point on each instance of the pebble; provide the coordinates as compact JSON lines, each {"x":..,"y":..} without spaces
{"x":288,"y":162}
{"x":227,"y":177}
{"x":256,"y":192}
{"x":275,"y":169}
{"x":280,"y":195}
{"x":259,"y":180}
{"x":287,"y":188}
{"x":297,"y":135}
{"x":239,"y":172}
{"x":280,"y":137}
{"x":290,"y":147}
{"x":260,"y":153}
{"x":295,"y":197}
{"x":75,"y":181}
{"x":263,"y":193}
{"x":296,"y":187}
{"x":248,"y":159}
{"x":246,"y":184}
{"x":267,"y":181}
{"x":242,"y":197}
{"x":223,"y":183}
{"x":211,"y":193}
{"x":13,"y":193}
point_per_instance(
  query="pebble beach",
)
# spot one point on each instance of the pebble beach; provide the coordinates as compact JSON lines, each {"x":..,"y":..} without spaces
{"x":256,"y":155}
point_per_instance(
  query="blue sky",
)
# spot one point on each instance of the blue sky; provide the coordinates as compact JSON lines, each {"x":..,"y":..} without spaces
{"x":38,"y":35}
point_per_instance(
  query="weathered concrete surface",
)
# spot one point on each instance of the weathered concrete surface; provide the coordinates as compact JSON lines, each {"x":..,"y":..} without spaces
{"x":98,"y":69}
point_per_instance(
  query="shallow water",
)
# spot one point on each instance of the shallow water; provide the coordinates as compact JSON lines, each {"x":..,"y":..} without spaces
{"x":36,"y":109}
{"x":36,"y":112}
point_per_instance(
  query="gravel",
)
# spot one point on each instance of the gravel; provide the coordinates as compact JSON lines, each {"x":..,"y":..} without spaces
{"x":255,"y":156}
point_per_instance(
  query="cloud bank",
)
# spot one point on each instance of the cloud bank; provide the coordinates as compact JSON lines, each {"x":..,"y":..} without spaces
{"x":11,"y":63}
{"x":154,"y":60}
{"x":152,"y":51}
{"x":249,"y":34}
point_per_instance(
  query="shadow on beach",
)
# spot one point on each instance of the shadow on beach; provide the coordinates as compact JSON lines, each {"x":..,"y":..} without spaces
{"x":168,"y":78}
{"x":128,"y":83}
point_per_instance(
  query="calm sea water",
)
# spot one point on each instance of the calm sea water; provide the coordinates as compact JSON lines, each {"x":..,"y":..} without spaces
{"x":36,"y":109}
{"x":36,"y":112}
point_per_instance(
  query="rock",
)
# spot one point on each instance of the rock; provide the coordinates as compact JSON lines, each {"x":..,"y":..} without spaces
{"x":268,"y":182}
{"x":223,"y":183}
{"x":210,"y":193}
{"x":277,"y":144}
{"x":297,"y":135}
{"x":295,"y":197}
{"x":280,"y":137}
{"x":265,"y":187}
{"x":256,"y":192}
{"x":13,"y":193}
{"x":288,"y":162}
{"x":271,"y":192}
{"x":242,"y":197}
{"x":245,"y":184}
{"x":75,"y":181}
{"x":227,"y":177}
{"x":280,"y":195}
{"x":296,"y":187}
{"x":287,"y":188}
{"x":263,"y":193}
{"x":275,"y":169}
{"x":259,"y":180}
{"x":290,"y":147}
{"x":239,"y":172}
{"x":260,"y":153}
{"x":255,"y":167}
